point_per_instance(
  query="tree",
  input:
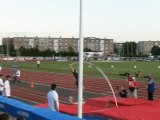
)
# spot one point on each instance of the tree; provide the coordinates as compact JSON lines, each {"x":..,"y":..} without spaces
{"x":71,"y":52}
{"x":115,"y":49}
{"x":70,"y":49}
{"x":12,"y":50}
{"x":87,"y":50}
{"x":46,"y":53}
{"x":4,"y":49}
{"x":1,"y":49}
{"x":63,"y":53}
{"x":22,"y":51}
{"x":129,"y":49}
{"x":155,"y":50}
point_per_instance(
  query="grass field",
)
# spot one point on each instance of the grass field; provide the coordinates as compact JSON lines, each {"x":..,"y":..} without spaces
{"x":112,"y":69}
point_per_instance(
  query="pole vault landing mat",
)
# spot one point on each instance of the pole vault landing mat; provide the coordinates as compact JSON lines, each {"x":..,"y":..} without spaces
{"x":128,"y":108}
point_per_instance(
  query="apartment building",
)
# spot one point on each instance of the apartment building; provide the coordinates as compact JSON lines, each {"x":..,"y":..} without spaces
{"x":7,"y":41}
{"x":99,"y":45}
{"x":61,"y":44}
{"x":145,"y":47}
{"x":108,"y":46}
{"x":33,"y":42}
{"x":67,"y":44}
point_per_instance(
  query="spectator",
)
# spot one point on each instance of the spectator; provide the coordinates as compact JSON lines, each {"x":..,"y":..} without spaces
{"x":151,"y":87}
{"x":4,"y":116}
{"x":123,"y":74}
{"x":1,"y":84}
{"x":139,"y":74}
{"x":0,"y":70}
{"x":53,"y":102}
{"x":14,"y":62}
{"x":6,"y":87}
{"x":16,"y":76}
{"x":132,"y":85}
{"x":38,"y":64}
{"x":122,"y":92}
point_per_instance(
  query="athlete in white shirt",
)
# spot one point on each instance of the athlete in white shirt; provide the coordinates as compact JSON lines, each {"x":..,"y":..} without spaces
{"x":6,"y":86}
{"x":0,"y":69}
{"x":53,"y":102}
{"x":1,"y":84}
{"x":38,"y":64}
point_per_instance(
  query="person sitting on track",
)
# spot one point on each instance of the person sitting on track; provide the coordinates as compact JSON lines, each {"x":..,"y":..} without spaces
{"x":122,"y":92}
{"x":16,"y":76}
{"x":123,"y":74}
{"x":139,"y":73}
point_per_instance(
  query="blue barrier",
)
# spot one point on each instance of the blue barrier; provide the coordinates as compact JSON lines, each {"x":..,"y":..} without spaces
{"x":20,"y":109}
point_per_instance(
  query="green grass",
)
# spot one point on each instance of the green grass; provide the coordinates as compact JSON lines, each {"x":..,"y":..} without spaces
{"x":111,"y":72}
{"x":122,"y":67}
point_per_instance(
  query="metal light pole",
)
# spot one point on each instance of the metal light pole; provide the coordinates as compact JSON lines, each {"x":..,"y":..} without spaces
{"x":131,"y":49}
{"x":7,"y":47}
{"x":80,"y":77}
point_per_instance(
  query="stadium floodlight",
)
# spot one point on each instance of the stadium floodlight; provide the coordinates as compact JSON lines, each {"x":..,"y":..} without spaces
{"x":80,"y":76}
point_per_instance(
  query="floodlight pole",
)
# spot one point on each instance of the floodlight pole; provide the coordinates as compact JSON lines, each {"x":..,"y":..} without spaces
{"x":80,"y":76}
{"x":7,"y":47}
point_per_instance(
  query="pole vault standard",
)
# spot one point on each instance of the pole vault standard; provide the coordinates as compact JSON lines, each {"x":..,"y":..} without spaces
{"x":80,"y":75}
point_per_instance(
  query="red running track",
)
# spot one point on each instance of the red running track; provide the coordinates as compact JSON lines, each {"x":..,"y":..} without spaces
{"x":91,"y":84}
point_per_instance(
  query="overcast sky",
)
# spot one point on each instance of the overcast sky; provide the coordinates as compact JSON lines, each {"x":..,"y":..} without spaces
{"x":122,"y":20}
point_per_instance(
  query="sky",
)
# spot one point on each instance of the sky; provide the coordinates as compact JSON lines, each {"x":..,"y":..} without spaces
{"x":121,"y":20}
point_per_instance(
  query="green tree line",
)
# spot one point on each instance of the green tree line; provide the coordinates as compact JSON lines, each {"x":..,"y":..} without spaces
{"x":35,"y":52}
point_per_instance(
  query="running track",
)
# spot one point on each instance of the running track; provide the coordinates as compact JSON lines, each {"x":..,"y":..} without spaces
{"x":67,"y":81}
